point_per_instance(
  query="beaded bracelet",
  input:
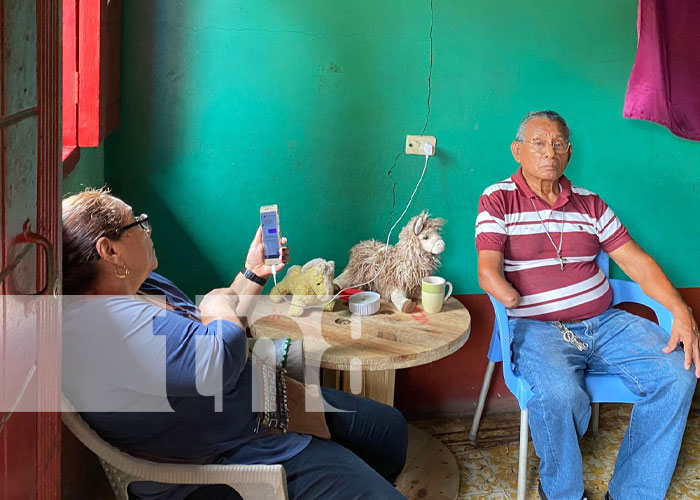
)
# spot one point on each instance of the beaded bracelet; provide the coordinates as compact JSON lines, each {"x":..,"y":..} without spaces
{"x":285,"y":353}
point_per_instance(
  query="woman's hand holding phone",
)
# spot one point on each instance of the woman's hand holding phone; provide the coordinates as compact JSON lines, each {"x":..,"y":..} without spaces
{"x":255,"y":260}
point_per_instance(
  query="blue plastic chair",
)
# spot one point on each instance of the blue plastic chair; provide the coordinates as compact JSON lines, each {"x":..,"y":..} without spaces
{"x":601,"y":387}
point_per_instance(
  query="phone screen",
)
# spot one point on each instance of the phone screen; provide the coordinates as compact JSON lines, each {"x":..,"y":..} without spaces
{"x":271,"y":240}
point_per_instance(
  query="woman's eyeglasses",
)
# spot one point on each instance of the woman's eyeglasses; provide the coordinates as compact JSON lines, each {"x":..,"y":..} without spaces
{"x":141,"y":220}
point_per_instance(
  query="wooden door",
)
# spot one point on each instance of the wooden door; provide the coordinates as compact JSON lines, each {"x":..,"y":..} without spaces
{"x":29,"y":249}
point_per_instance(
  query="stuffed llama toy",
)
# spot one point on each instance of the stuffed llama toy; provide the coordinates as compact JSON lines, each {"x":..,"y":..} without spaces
{"x":413,"y":258}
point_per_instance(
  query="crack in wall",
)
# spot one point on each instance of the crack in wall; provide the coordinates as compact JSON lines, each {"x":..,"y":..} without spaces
{"x":427,"y":118}
{"x":430,"y":70}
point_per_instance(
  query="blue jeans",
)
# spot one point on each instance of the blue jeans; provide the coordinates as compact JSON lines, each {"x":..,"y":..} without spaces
{"x":365,"y":454}
{"x":618,"y":343}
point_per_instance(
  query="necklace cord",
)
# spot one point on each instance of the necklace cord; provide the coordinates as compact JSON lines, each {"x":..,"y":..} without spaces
{"x":561,"y":233}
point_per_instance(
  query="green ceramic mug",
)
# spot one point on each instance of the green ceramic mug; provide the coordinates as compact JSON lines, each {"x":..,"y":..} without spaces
{"x":433,"y":293}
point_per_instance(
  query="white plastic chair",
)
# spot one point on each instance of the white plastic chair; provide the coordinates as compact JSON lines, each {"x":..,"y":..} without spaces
{"x":252,"y":482}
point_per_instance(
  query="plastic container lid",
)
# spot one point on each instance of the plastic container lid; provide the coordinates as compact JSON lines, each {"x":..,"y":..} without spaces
{"x":364,"y":303}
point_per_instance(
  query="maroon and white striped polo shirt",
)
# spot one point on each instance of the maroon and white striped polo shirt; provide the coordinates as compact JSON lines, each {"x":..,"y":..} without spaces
{"x":507,"y":222}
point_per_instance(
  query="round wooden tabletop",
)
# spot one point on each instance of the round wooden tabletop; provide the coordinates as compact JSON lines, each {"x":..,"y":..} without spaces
{"x":386,"y":340}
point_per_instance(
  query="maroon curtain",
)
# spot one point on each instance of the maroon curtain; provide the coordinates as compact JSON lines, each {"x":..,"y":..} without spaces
{"x":664,"y":86}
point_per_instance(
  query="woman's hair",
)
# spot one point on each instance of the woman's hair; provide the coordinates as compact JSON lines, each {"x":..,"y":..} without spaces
{"x":87,"y":217}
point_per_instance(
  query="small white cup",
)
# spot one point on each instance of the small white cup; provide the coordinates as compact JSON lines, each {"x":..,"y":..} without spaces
{"x":433,"y":293}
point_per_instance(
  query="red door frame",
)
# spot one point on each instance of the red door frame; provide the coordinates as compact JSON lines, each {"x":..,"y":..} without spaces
{"x":49,"y":77}
{"x":44,"y":430}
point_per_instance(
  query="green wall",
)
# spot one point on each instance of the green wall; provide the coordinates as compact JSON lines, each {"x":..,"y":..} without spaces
{"x":227,"y":105}
{"x":89,"y":172}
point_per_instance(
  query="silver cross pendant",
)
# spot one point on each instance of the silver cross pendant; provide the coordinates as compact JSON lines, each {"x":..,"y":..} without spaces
{"x":561,"y":260}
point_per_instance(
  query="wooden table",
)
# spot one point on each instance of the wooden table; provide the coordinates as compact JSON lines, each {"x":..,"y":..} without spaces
{"x":360,"y":354}
{"x":374,"y":346}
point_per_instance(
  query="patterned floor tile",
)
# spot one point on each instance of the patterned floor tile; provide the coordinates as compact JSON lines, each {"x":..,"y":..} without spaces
{"x":476,"y":475}
{"x":489,"y":466}
{"x":501,"y":495}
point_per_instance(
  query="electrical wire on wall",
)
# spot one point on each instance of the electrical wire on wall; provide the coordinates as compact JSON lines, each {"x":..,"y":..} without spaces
{"x":428,"y":151}
{"x":427,"y":118}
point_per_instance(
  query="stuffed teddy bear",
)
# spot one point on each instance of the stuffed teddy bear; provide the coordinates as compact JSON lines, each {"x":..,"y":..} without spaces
{"x":309,"y":285}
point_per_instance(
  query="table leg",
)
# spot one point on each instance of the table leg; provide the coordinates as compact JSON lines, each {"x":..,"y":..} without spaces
{"x":331,"y":378}
{"x":377,"y":385}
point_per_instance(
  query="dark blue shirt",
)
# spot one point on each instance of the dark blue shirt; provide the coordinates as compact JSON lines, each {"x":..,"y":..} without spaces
{"x":159,"y":383}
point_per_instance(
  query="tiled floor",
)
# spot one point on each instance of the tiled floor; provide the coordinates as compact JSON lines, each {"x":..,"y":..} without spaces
{"x":489,"y":466}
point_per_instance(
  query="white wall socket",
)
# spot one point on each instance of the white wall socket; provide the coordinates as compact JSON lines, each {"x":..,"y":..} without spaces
{"x":414,"y":144}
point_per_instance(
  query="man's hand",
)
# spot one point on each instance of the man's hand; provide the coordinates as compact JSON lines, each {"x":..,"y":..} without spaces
{"x":685,"y":329}
{"x":255,"y":261}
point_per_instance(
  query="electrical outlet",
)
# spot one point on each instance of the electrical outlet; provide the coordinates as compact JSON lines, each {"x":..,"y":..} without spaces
{"x":414,"y":144}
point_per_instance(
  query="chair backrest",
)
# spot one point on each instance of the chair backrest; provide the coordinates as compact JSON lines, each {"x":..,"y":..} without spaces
{"x":603,"y":261}
{"x":602,"y":388}
{"x":629,"y":291}
{"x":89,"y":437}
{"x":252,"y":482}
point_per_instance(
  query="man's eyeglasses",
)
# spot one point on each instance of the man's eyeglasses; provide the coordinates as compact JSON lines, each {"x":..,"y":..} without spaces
{"x":560,"y":147}
{"x":141,"y":220}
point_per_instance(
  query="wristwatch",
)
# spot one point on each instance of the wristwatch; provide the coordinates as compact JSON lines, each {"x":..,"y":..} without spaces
{"x":253,"y":277}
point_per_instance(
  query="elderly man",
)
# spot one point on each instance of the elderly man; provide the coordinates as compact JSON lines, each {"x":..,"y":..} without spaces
{"x":537,"y":236}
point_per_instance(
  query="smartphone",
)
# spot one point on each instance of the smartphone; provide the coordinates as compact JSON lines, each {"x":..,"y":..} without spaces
{"x":270,"y":222}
